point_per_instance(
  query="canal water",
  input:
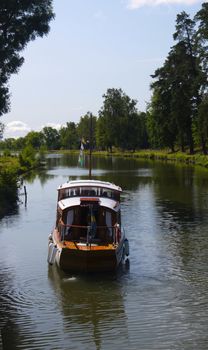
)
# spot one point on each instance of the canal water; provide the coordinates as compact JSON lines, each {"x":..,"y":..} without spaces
{"x":157,"y":301}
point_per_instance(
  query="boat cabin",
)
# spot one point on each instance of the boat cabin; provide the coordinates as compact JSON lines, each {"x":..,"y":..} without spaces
{"x":88,"y":211}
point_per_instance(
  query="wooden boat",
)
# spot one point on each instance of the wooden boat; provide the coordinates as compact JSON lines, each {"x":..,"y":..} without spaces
{"x":88,"y":235}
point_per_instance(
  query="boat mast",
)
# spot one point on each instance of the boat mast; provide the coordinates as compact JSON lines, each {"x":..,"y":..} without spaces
{"x":90,"y":148}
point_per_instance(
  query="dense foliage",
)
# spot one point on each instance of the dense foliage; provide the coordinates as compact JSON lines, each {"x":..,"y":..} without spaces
{"x":119,"y":123}
{"x":177,"y":114}
{"x":20,"y":22}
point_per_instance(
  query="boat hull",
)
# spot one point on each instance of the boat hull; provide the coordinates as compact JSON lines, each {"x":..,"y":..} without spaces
{"x":86,"y":261}
{"x":73,"y":257}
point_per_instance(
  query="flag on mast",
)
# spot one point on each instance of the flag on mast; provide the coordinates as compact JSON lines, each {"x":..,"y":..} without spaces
{"x":81,"y":154}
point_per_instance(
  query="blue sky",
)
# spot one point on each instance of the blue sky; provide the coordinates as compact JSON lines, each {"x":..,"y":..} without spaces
{"x":93,"y":45}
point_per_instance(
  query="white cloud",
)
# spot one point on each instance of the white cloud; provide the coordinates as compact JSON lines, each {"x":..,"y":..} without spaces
{"x":53,"y":125}
{"x":16,"y":129}
{"x":134,"y":4}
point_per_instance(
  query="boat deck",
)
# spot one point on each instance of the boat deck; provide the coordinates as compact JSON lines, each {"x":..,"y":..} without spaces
{"x":85,"y":247}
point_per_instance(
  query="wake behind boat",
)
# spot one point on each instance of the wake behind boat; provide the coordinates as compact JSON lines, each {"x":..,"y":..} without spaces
{"x":88,"y":235}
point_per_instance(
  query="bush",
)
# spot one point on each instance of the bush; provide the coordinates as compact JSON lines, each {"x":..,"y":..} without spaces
{"x":8,"y":185}
{"x":6,"y":153}
{"x":27,"y":157}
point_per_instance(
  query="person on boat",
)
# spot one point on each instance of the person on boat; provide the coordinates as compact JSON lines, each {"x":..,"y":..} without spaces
{"x":117,"y":233}
{"x":92,"y":225}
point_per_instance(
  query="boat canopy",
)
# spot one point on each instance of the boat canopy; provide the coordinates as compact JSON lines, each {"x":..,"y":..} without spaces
{"x":90,"y":183}
{"x":89,"y":188}
{"x":76,"y":201}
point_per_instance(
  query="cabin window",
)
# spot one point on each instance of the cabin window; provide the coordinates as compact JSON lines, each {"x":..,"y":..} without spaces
{"x":108,"y":220}
{"x":70,"y":217}
{"x":88,"y":192}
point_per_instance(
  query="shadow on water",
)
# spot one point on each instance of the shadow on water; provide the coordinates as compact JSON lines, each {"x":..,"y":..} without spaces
{"x":8,"y":209}
{"x":92,"y":306}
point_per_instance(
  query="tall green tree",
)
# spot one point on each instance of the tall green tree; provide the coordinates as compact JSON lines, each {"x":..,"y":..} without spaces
{"x":137,"y":132}
{"x":8,"y":144}
{"x":51,"y":137}
{"x":190,"y":68}
{"x":201,"y":125}
{"x":117,"y":120}
{"x":35,"y":139}
{"x":20,"y":143}
{"x":69,"y":137}
{"x":20,"y":22}
{"x":161,"y":126}
{"x":84,"y":126}
{"x":179,"y":85}
{"x":201,"y":19}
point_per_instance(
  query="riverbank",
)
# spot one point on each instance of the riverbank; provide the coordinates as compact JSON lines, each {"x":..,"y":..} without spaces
{"x":179,"y":157}
{"x":196,"y":159}
{"x":11,"y":168}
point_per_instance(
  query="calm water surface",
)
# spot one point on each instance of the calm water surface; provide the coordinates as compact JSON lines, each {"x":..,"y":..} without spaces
{"x":158,"y":301}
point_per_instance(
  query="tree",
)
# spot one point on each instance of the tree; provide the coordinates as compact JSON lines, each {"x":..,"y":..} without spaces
{"x":180,"y":84}
{"x":83,"y":129}
{"x":20,"y":143}
{"x":201,"y":127}
{"x":117,"y":119}
{"x":202,"y":47}
{"x":35,"y":139}
{"x":202,"y":18}
{"x":161,"y":126}
{"x":69,"y":137}
{"x":8,"y":144}
{"x":190,"y":68}
{"x":20,"y":22}
{"x":174,"y":94}
{"x":51,"y":137}
{"x":27,"y":156}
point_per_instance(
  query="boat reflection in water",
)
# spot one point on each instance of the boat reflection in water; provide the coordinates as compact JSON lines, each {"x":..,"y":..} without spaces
{"x":92,"y":308}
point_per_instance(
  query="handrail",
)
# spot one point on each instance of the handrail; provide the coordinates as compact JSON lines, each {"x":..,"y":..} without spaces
{"x":82,"y":226}
{"x":115,"y":236}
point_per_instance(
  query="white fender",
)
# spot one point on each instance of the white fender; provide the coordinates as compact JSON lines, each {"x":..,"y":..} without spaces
{"x":52,"y":250}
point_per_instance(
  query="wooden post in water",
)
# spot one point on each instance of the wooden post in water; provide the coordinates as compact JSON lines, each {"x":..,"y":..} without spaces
{"x":25,"y":193}
{"x":90,"y":148}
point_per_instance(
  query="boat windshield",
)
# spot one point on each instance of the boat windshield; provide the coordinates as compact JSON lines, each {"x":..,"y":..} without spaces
{"x":88,"y":192}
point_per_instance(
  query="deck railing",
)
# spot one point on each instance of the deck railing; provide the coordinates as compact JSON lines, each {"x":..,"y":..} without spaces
{"x":89,"y":233}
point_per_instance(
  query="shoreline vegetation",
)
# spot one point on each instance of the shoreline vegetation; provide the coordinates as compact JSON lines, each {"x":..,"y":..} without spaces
{"x":12,"y":167}
{"x":158,"y":155}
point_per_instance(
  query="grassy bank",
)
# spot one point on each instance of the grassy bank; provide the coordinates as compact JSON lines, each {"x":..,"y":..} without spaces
{"x":196,"y":159}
